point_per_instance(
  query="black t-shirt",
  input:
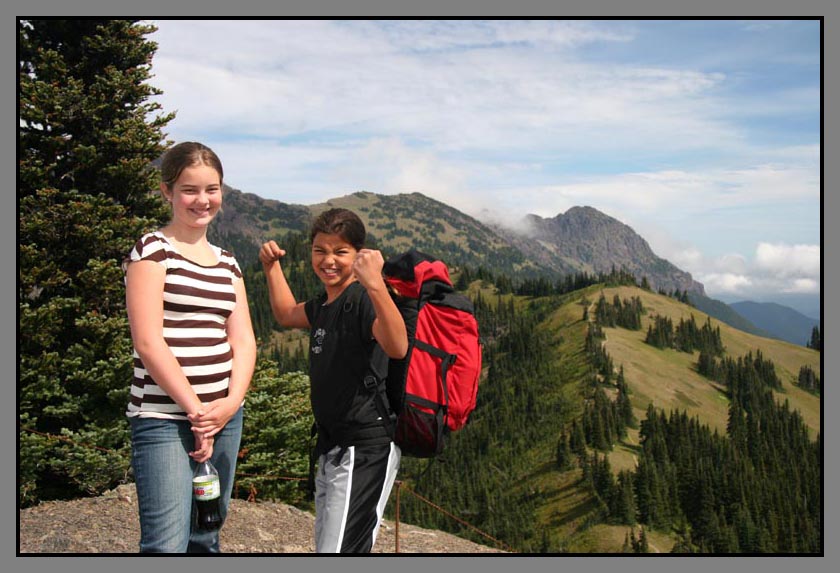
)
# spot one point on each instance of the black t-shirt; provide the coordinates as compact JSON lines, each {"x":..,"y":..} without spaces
{"x":342,"y":353}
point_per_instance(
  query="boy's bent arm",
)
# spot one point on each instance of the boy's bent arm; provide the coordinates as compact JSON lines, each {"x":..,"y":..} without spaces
{"x":286,"y":310}
{"x":389,"y":326}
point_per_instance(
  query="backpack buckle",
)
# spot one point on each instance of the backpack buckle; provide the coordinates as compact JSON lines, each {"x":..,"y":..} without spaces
{"x":370,"y":383}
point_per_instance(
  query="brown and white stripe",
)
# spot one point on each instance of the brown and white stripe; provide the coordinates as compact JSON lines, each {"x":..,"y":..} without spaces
{"x":197,"y":301}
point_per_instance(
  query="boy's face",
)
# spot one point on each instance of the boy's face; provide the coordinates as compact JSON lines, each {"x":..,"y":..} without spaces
{"x":332,"y":260}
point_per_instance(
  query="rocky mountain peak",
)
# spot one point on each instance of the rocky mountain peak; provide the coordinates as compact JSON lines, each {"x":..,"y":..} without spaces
{"x":595,"y":242}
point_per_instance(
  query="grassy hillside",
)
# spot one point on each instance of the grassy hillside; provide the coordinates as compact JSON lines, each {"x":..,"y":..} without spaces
{"x":668,"y":378}
{"x":567,"y":513}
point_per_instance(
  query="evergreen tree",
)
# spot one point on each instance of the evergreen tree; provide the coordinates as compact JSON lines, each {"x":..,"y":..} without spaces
{"x":643,"y":542}
{"x":87,"y":138}
{"x":816,"y":339}
{"x":624,"y":407}
{"x":577,"y":441}
{"x":275,"y":434}
{"x":623,"y":507}
{"x":627,"y":547}
{"x":564,"y":453}
{"x":808,"y":380}
{"x":661,"y":333}
{"x":85,"y":122}
{"x":706,"y":365}
{"x":755,"y":490}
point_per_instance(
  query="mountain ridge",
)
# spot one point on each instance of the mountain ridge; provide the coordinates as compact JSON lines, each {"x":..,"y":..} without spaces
{"x":780,"y":321}
{"x":598,"y":242}
{"x":582,"y":240}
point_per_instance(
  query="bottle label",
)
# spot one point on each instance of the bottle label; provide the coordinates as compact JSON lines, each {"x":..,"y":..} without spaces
{"x":206,"y":488}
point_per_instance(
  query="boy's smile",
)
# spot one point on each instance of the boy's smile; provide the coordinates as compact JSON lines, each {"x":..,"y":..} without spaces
{"x":332,"y":261}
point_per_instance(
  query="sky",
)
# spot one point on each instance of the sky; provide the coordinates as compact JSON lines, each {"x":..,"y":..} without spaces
{"x":703,"y":136}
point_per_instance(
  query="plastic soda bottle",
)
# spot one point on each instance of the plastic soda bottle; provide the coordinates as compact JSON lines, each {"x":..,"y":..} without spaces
{"x":207,"y":492}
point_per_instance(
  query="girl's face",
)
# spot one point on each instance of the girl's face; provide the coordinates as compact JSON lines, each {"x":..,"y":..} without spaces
{"x":196,"y":196}
{"x":332,"y":261}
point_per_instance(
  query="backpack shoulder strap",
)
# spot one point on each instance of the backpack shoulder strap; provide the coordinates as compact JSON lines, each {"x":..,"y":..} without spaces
{"x":373,"y":385}
{"x":373,"y":382}
{"x":353,"y":298}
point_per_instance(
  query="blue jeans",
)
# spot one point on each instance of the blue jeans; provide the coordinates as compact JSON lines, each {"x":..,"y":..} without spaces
{"x":163,"y":474}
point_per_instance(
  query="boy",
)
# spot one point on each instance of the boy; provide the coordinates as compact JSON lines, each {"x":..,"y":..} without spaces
{"x":354,"y":328}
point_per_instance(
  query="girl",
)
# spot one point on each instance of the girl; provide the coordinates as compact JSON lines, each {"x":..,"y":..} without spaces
{"x":194,"y":355}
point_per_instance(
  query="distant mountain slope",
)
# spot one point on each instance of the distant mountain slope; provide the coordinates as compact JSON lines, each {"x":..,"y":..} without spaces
{"x":780,"y":321}
{"x":725,"y":313}
{"x":588,"y":239}
{"x":399,"y":222}
{"x":581,"y":240}
{"x":808,"y":304}
{"x":246,"y":221}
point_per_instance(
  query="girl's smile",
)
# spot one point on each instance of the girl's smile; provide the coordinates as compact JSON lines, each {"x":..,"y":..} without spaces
{"x":196,"y":196}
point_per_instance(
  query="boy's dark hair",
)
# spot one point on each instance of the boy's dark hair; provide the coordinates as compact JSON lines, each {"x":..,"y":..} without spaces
{"x":342,"y":222}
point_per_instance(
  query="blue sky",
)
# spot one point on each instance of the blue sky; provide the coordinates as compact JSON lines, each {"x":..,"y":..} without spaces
{"x":704,"y":136}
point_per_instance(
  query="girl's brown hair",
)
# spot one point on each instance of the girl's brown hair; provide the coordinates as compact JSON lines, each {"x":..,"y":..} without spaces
{"x":187,"y":154}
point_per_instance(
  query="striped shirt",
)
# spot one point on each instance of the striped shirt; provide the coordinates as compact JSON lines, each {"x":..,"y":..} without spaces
{"x":197,"y":300}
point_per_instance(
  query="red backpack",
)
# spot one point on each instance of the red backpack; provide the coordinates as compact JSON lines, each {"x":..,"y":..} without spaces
{"x":433,"y":389}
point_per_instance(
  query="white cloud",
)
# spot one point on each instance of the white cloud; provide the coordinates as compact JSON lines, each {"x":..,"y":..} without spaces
{"x":770,"y":269}
{"x":775,"y":268}
{"x":727,"y":283}
{"x":462,"y":90}
{"x":652,"y":198}
{"x":443,"y":35}
{"x":389,"y":166}
{"x":789,"y":260}
{"x":803,"y":286}
{"x":296,"y":175}
{"x":519,"y":117}
{"x":454,"y":85}
{"x":732,"y":263}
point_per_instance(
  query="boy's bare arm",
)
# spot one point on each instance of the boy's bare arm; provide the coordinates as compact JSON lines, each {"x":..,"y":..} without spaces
{"x":287,"y":311}
{"x":389,"y":326}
